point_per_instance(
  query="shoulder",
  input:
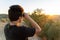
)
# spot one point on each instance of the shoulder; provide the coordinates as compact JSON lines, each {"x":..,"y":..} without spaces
{"x":27,"y":29}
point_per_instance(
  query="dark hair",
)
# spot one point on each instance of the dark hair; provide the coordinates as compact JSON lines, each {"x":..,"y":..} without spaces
{"x":15,"y":12}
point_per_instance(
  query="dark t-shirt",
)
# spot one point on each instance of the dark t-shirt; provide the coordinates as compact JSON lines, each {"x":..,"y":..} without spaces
{"x":18,"y":33}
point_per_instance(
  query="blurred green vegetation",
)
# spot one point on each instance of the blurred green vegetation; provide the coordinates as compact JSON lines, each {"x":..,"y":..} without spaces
{"x":49,"y":24}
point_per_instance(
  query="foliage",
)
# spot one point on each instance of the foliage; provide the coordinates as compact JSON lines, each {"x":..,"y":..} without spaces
{"x":51,"y":30}
{"x":50,"y":27}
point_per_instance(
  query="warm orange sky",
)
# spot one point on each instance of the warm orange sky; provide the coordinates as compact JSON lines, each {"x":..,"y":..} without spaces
{"x":50,"y":7}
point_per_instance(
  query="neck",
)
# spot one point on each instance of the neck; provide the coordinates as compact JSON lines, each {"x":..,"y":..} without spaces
{"x":15,"y":23}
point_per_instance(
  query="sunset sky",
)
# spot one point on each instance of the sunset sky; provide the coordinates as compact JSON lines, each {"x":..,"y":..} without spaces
{"x":49,"y":6}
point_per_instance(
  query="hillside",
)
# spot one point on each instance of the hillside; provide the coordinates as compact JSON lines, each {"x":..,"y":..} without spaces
{"x":3,"y":17}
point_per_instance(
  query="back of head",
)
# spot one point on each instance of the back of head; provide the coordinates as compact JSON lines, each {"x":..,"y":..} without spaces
{"x":15,"y":12}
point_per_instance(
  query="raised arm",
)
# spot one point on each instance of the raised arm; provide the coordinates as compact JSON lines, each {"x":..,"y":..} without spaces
{"x":33,"y":23}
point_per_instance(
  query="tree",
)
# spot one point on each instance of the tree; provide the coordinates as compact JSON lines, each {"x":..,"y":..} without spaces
{"x":38,"y":17}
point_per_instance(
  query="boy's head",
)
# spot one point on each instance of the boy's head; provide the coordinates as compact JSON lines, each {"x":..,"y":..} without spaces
{"x":15,"y":12}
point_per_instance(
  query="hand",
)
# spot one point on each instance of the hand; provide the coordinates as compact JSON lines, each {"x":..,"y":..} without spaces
{"x":26,"y":15}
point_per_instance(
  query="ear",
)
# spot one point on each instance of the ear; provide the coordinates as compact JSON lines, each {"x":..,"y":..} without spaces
{"x":20,"y":19}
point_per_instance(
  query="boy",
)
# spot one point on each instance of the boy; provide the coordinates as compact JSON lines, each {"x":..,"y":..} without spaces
{"x":13,"y":30}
